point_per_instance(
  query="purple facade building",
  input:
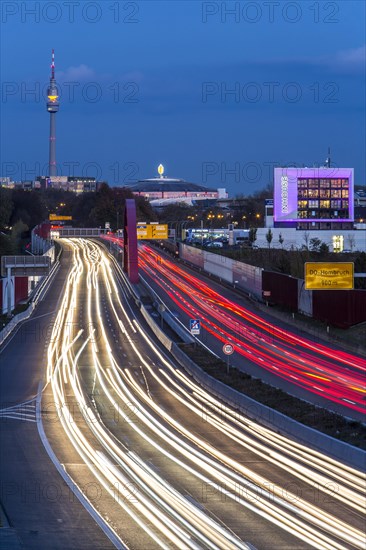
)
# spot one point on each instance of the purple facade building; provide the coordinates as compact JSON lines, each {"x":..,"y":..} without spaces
{"x":306,"y":197}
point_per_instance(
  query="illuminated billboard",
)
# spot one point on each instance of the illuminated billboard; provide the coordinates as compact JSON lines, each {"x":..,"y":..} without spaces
{"x":313,"y":195}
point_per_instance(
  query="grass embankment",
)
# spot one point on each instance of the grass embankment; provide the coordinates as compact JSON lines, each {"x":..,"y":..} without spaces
{"x":320,"y":419}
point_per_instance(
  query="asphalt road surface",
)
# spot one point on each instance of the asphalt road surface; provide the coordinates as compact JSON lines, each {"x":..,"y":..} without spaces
{"x":42,"y":511}
{"x":165,"y":463}
{"x":269,"y":349}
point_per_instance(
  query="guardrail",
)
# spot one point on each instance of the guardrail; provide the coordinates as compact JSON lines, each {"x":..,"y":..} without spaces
{"x":168,"y":315}
{"x":37,"y":296}
{"x":6,"y":331}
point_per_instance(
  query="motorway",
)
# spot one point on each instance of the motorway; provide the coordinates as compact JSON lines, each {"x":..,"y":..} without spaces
{"x":41,"y":509}
{"x":164,"y":462}
{"x":311,"y":370}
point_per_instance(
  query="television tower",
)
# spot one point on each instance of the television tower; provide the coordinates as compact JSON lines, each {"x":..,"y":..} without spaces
{"x":52,"y":108}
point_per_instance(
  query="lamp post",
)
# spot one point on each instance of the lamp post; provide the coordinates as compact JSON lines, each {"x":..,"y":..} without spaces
{"x":183,"y":226}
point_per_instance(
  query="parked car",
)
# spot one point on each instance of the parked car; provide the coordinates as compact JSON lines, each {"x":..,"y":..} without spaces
{"x":215,"y":244}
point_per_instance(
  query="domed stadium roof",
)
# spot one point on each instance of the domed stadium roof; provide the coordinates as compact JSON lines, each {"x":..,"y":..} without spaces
{"x":153,"y":185}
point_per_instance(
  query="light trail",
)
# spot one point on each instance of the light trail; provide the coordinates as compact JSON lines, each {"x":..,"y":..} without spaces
{"x":175,"y":519}
{"x":339,"y":376}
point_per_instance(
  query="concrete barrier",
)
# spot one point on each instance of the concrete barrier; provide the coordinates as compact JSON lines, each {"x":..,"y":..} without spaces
{"x":167,"y":314}
{"x":167,"y":342}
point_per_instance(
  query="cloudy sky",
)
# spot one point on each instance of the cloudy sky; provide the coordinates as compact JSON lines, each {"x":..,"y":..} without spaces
{"x":219,"y":92}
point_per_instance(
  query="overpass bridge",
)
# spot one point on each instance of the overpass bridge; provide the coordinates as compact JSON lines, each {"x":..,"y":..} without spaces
{"x":69,"y":232}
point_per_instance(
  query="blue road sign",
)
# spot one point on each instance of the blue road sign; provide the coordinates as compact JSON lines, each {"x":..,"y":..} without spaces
{"x":195,"y":326}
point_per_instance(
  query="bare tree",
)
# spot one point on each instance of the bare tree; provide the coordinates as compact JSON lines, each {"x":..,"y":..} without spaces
{"x":306,"y":238}
{"x":351,"y":241}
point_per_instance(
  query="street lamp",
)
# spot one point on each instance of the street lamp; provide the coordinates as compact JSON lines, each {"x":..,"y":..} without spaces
{"x":182,"y":226}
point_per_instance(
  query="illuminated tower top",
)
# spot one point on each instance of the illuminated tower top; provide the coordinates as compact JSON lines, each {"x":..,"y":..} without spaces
{"x":52,"y":92}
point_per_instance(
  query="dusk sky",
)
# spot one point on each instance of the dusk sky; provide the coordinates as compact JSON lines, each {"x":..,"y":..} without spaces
{"x":144,"y":83}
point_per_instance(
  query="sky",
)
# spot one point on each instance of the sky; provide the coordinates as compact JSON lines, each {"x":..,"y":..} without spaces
{"x":218,"y":92}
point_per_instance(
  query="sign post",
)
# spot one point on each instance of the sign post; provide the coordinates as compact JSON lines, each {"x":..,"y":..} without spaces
{"x":266,"y":294}
{"x":228,"y":349}
{"x":195,"y":326}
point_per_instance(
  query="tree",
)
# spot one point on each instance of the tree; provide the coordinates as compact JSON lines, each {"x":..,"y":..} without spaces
{"x":104,"y":207}
{"x":144,"y":210}
{"x":323,"y":249}
{"x":18,"y":234}
{"x":28,"y":207}
{"x":176,"y":212}
{"x":8,"y":246}
{"x":280,"y":239}
{"x":82,"y":207}
{"x":251,"y":208}
{"x":6,"y":207}
{"x":315,"y":244}
{"x":252,"y":235}
{"x":306,"y":238}
{"x":351,"y":241}
{"x":57,"y":201}
{"x":269,"y":237}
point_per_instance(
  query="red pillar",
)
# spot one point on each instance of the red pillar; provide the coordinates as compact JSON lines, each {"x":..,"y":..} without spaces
{"x":130,"y":256}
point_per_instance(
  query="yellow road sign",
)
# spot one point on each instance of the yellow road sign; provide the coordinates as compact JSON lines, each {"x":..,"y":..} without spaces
{"x":57,"y":218}
{"x":329,"y":276}
{"x":152,"y":231}
{"x":143,"y":231}
{"x":159,"y":231}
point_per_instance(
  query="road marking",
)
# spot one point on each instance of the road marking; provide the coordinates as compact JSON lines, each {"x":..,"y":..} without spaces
{"x":106,"y":528}
{"x":348,"y":401}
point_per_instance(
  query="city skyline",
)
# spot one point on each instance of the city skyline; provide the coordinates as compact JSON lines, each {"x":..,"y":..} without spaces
{"x":218,"y":97}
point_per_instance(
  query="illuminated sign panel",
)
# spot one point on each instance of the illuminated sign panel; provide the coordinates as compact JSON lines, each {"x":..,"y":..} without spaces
{"x":159,"y":231}
{"x":57,"y":218}
{"x":143,"y":231}
{"x":313,"y":195}
{"x":329,"y":276}
{"x":152,"y":231}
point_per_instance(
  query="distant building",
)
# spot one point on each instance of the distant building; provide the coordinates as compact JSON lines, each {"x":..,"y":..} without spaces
{"x":313,"y":204}
{"x":75,"y":184}
{"x":360,"y":198}
{"x":314,"y":198}
{"x":162,"y":191}
{"x":6,"y":182}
